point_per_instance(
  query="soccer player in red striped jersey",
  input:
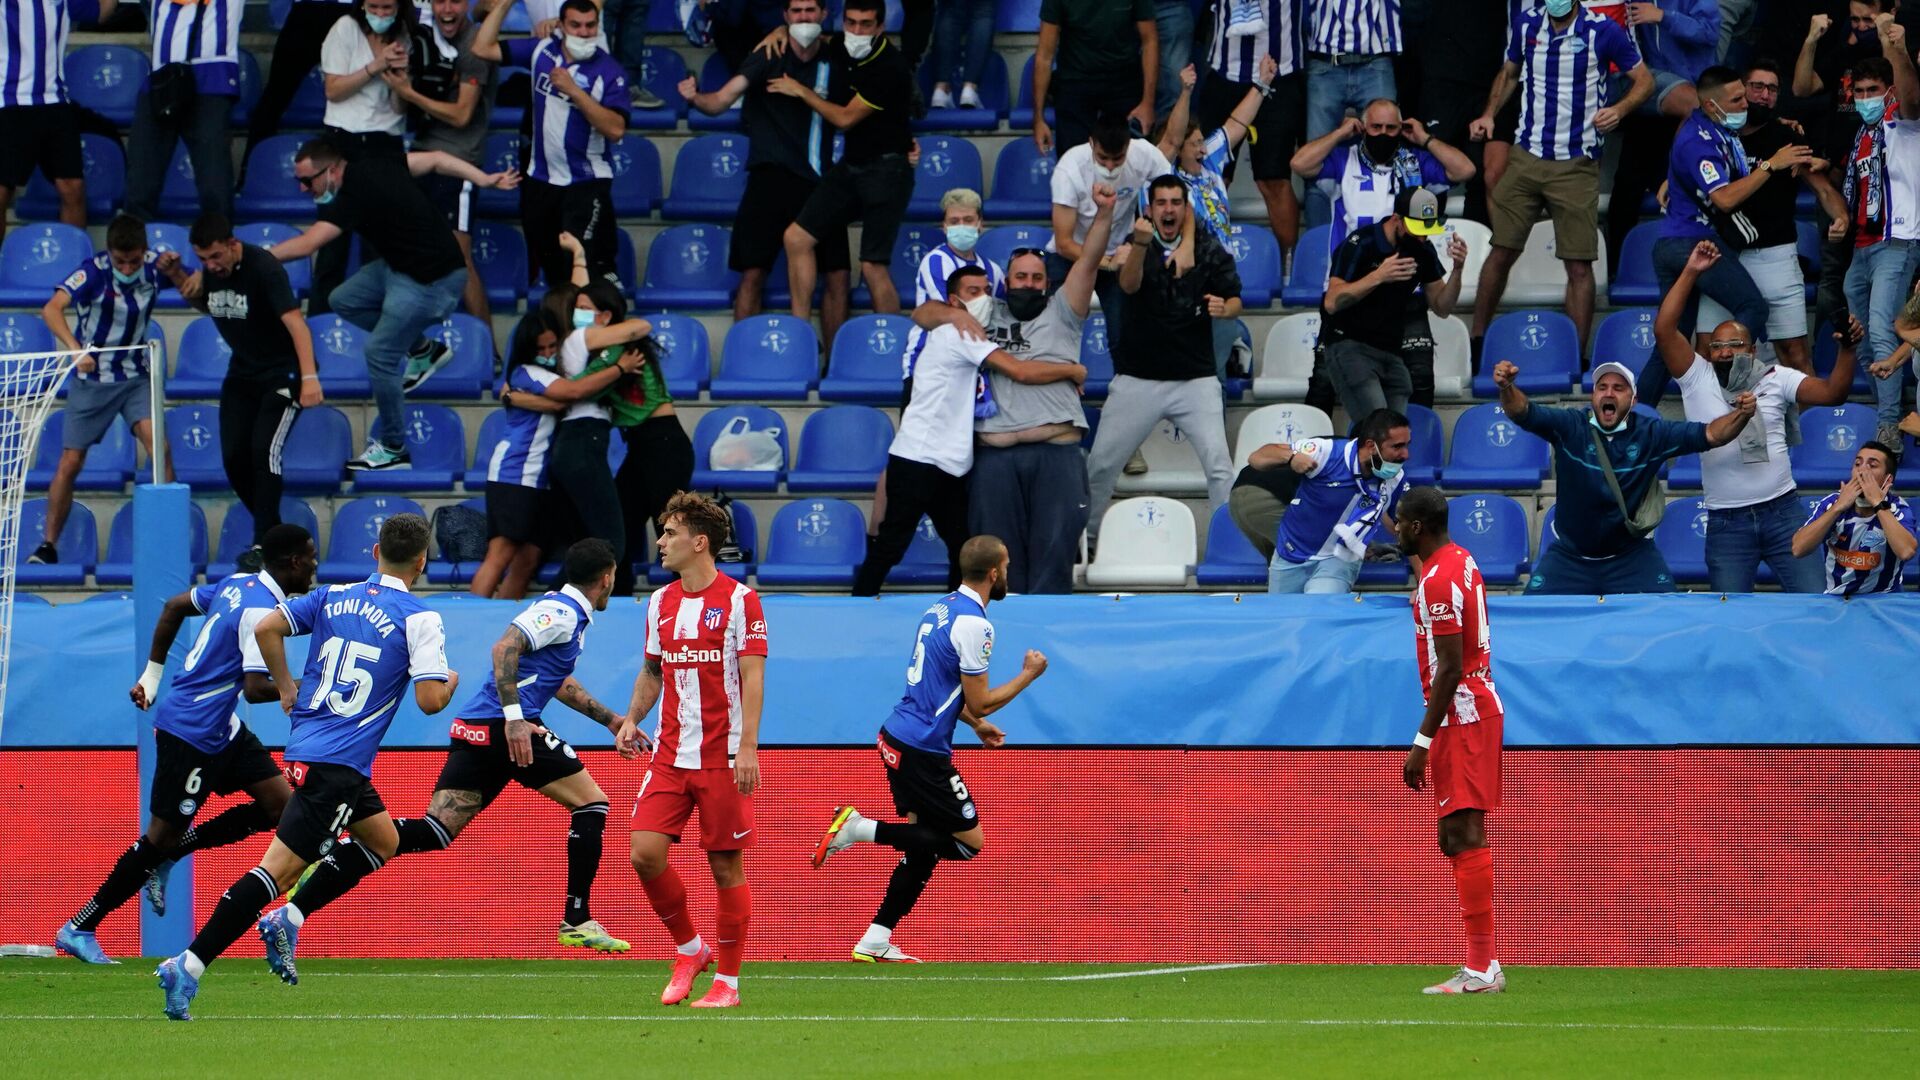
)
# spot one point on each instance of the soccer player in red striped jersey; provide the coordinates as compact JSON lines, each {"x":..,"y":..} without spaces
{"x":1462,"y":725}
{"x":706,"y":666}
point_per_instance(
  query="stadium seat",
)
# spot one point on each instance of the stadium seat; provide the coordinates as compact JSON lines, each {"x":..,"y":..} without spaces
{"x":36,"y":599}
{"x":79,"y":546}
{"x":1824,"y":458}
{"x":106,"y":79}
{"x":925,"y":562}
{"x":202,"y":361}
{"x":1286,"y":364}
{"x":909,"y":248}
{"x":117,"y":567}
{"x":1493,"y":529}
{"x":757,"y":418}
{"x":946,"y":163}
{"x":636,"y":176}
{"x":709,"y":178}
{"x":1278,"y":423}
{"x":1548,"y":534}
{"x":308,"y":109}
{"x":1682,"y":538}
{"x":865,"y":365}
{"x":814,"y":542}
{"x":109,"y":464}
{"x":340,"y":355}
{"x":1623,"y":337}
{"x":1022,"y":182}
{"x":686,"y":358}
{"x":442,"y":571}
{"x":500,"y":255}
{"x":714,"y":74}
{"x":1452,"y":358}
{"x":270,"y":191}
{"x":1172,"y":466}
{"x":767,"y":357}
{"x":746,"y":531}
{"x":993,"y":101}
{"x":36,"y":258}
{"x":104,"y":168}
{"x":356,"y":526}
{"x":236,"y":533}
{"x":1479,"y":240}
{"x":1429,"y":447}
{"x":470,"y":372}
{"x":1096,"y":355}
{"x":1146,"y":540}
{"x":193,"y":438}
{"x":117,"y":596}
{"x":503,"y":152}
{"x":1020,"y":117}
{"x":1543,"y":344}
{"x":1539,"y":277}
{"x":24,"y":333}
{"x":262,"y":234}
{"x":163,"y":238}
{"x":1230,"y":558}
{"x":997,"y":244}
{"x":843,"y":448}
{"x":179,"y":199}
{"x":1490,"y":452}
{"x":251,"y":85}
{"x":437,"y":442}
{"x":1307,"y":279}
{"x":492,"y":431}
{"x":687,"y":265}
{"x":314,"y":456}
{"x":1635,"y":283}
{"x":661,"y":70}
{"x":1826,"y":353}
{"x":1256,"y":255}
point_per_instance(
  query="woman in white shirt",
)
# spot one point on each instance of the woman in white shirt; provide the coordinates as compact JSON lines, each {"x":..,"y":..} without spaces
{"x":365,"y":54}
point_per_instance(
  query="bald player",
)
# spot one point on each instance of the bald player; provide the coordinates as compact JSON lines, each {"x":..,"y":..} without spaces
{"x":946,"y":683}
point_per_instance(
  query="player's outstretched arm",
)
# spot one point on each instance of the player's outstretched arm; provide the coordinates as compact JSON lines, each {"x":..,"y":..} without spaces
{"x":1450,"y":653}
{"x":575,"y":697}
{"x":983,"y":702}
{"x":646,"y":691}
{"x":746,"y":761}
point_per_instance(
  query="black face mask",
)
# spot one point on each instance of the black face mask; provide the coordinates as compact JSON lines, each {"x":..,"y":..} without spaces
{"x":1381,"y":148}
{"x":1026,"y":304}
{"x":1758,"y":116}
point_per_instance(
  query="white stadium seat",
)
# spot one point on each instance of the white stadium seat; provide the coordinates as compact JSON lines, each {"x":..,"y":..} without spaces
{"x":1144,"y":541}
{"x":1172,"y":466}
{"x":1538,"y":276}
{"x":1277,"y":423}
{"x":1479,"y":239}
{"x":1287,"y":361}
{"x":1452,"y":358}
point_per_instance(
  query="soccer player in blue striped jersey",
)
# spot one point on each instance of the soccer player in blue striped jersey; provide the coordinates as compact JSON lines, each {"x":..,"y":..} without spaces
{"x":946,"y":684}
{"x":369,"y":641}
{"x":1865,"y":532}
{"x":498,"y":738}
{"x":202,"y":747}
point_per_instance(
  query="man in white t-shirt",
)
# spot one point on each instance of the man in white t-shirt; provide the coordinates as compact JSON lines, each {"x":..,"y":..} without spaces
{"x":1113,"y":157}
{"x":1752,"y":512}
{"x":932,"y":453}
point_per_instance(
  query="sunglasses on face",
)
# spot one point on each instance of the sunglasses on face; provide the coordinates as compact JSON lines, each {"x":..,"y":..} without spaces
{"x":306,"y":182}
{"x":1726,"y":344}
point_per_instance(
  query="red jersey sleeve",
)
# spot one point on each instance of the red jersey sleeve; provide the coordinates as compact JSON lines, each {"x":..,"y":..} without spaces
{"x":753,"y":625}
{"x":1440,"y":594}
{"x":653,"y":625}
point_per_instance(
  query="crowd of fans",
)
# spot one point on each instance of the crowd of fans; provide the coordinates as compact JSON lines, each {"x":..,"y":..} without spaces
{"x":1378,"y":111}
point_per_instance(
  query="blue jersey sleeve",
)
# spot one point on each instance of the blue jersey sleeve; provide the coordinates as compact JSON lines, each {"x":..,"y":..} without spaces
{"x":1335,"y":164}
{"x":518,"y":52}
{"x":1616,"y":47}
{"x":1822,"y":507}
{"x":202,"y":596}
{"x":86,"y":283}
{"x":303,"y":612}
{"x":1516,"y":33}
{"x":1557,"y":426}
{"x":1671,"y":438}
{"x":1432,"y":173}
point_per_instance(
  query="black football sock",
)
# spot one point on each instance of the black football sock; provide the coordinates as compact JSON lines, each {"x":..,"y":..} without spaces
{"x":424,"y":833}
{"x":233,"y":825}
{"x":239,"y":906}
{"x":584,"y":847}
{"x":910,"y":836}
{"x":128,"y":874}
{"x":904,"y":887}
{"x":340,"y":871}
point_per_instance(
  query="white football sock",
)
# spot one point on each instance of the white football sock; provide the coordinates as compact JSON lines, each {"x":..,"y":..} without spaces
{"x":859,"y":829}
{"x":692,"y":948}
{"x":192,"y":964}
{"x":295,"y":916}
{"x":732,"y":981}
{"x":877,"y":936}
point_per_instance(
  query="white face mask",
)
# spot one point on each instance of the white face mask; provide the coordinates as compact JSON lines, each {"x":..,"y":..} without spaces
{"x":580,"y":48}
{"x":1105,"y":175}
{"x":859,"y":45}
{"x":804,"y":34}
{"x":981,"y":308}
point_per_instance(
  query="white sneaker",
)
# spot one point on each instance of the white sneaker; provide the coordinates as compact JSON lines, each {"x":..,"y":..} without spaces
{"x":1465,"y":982}
{"x":885,"y":952}
{"x":942,"y":98}
{"x":970,"y":97}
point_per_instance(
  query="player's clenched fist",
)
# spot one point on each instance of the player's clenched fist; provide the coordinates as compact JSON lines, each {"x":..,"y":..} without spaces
{"x":1036,"y":663}
{"x":1503,"y":373}
{"x":1414,"y":769}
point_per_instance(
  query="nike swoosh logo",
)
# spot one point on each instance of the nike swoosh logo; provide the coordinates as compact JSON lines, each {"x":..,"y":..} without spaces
{"x":1444,"y":801}
{"x":738,"y":835}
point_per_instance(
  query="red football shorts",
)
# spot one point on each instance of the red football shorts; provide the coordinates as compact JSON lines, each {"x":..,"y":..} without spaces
{"x":1465,"y":765}
{"x":669,"y":794}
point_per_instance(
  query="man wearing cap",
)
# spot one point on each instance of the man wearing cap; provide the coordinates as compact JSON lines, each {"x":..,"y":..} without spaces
{"x":1595,"y":550}
{"x":1374,"y":274}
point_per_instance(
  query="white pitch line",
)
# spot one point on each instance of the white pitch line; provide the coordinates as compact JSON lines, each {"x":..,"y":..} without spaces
{"x":1148,"y":971}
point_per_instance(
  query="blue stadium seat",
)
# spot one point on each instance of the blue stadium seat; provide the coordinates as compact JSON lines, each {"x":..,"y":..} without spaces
{"x":437,"y":442}
{"x":661,"y":70}
{"x":687,"y":266}
{"x":709,"y":178}
{"x":470,"y":372}
{"x":117,"y":596}
{"x":636,"y":176}
{"x":163,"y":238}
{"x":1490,"y":452}
{"x":1428,"y":449}
{"x":1096,"y":355}
{"x":79,"y":546}
{"x":1017,"y":17}
{"x":442,"y":571}
{"x":1543,"y":344}
{"x":1682,"y":538}
{"x":37,"y":599}
{"x":1390,"y":573}
{"x":36,"y":258}
{"x":106,"y":79}
{"x":1307,"y":279}
{"x":1230,"y":559}
{"x":262,"y":234}
{"x":340,"y":355}
{"x":714,"y":74}
{"x":1257,"y":254}
{"x":109,"y":464}
{"x":686,"y":358}
{"x":236,"y":533}
{"x":314,"y":456}
{"x":1830,"y":436}
{"x":767,"y":357}
{"x":308,"y":109}
{"x":1624,"y":337}
{"x":1548,"y":534}
{"x":814,"y":542}
{"x":356,"y":526}
{"x":1493,"y":529}
{"x":492,"y":431}
{"x":117,"y":567}
{"x":925,"y":562}
{"x":1022,"y":182}
{"x":1020,"y":117}
{"x":909,"y":248}
{"x":998,"y":244}
{"x":202,"y":361}
{"x":24,"y":333}
{"x":746,"y":531}
{"x":500,"y":255}
{"x":251,"y":85}
{"x":865,"y":365}
{"x":758,"y":418}
{"x":946,"y":163}
{"x":843,"y":448}
{"x":179,"y":199}
{"x":270,"y":191}
{"x":993,"y":101}
{"x":104,"y":168}
{"x":193,"y":438}
{"x":502,"y":153}
{"x":1634,"y":283}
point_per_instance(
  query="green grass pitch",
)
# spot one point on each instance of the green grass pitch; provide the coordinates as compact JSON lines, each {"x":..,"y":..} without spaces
{"x":501,"y":1018}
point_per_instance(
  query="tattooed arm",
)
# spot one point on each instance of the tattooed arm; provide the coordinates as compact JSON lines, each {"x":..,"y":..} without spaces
{"x":575,"y":697}
{"x":506,"y":683}
{"x":646,"y":691}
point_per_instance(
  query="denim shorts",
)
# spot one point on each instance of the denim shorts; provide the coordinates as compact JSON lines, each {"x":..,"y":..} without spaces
{"x":1776,"y":272}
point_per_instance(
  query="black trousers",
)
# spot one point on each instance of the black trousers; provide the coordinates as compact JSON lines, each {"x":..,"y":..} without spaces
{"x":1077,"y":104}
{"x":296,"y":52}
{"x":1033,"y":496}
{"x":915,"y":488}
{"x":1643,"y":165}
{"x":584,"y":209}
{"x":580,"y":473}
{"x":254,"y":421}
{"x":659,"y":463}
{"x":1416,"y":348}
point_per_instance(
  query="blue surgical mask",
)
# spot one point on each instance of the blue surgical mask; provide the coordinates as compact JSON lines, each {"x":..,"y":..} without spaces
{"x":1559,"y":8}
{"x":379,"y":24}
{"x":126,"y":279}
{"x":1384,"y":469}
{"x":1594,"y":419}
{"x":582,"y":318}
{"x":324,"y":198}
{"x":1733,"y":121}
{"x":962,"y":237}
{"x":1870,"y":109}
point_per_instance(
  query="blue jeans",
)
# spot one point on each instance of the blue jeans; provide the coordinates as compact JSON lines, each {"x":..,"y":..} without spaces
{"x":1174,"y":21}
{"x":1639,"y":568}
{"x":1877,"y":284}
{"x":626,"y":30}
{"x":1313,"y":577}
{"x":395,"y":311}
{"x":1739,"y":540}
{"x":962,"y":37}
{"x":1332,"y":89}
{"x":1727,"y":282}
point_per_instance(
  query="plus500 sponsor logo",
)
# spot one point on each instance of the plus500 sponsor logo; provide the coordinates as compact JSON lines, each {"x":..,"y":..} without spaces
{"x":692,"y":656}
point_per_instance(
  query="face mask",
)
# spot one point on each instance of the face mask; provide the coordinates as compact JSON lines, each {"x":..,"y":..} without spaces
{"x":1106,"y":175}
{"x":1594,"y":419}
{"x":981,"y":308}
{"x":1025,"y":304}
{"x":379,"y":24}
{"x":324,"y":198}
{"x":859,"y":45}
{"x":1861,"y":504}
{"x":962,"y":237}
{"x":1759,"y":115}
{"x":1870,"y":109}
{"x":804,"y":34}
{"x":1381,"y":148}
{"x":125,"y":279}
{"x":1559,"y":8}
{"x":1384,"y":469}
{"x":582,"y":318}
{"x":581,"y":48}
{"x":1733,"y":121}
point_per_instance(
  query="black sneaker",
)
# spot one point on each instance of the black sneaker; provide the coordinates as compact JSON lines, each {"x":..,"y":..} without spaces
{"x":642,"y":98}
{"x":426,"y":358}
{"x":45,"y":555}
{"x":379,"y":458}
{"x":250,"y":561}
